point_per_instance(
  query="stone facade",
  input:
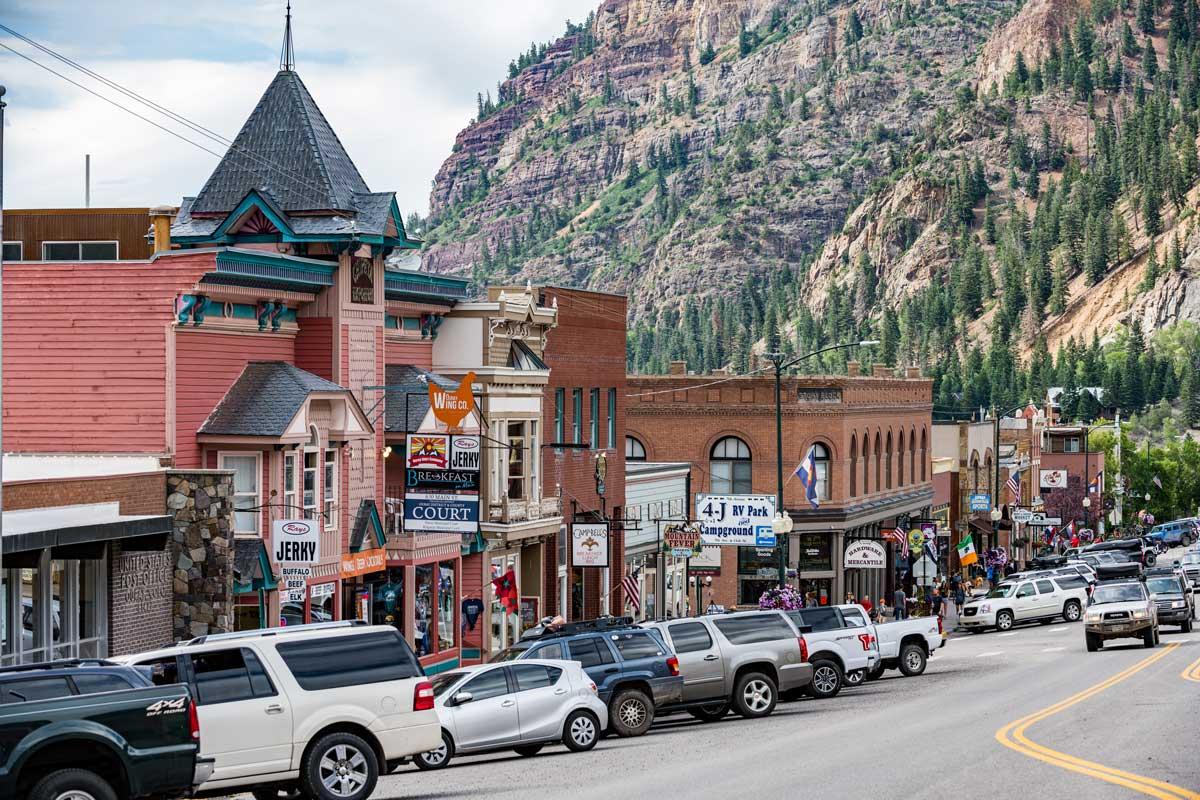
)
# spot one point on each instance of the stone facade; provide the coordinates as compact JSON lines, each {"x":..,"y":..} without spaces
{"x":201,"y":551}
{"x":139,"y":601}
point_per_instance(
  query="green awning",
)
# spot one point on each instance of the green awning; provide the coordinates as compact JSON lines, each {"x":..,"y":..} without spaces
{"x":367,"y":519}
{"x":252,"y":567}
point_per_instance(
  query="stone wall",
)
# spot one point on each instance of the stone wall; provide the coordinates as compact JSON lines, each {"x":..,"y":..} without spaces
{"x":201,"y":551}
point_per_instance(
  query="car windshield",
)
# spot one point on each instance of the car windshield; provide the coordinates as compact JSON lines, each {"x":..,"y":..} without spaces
{"x":1191,"y":558}
{"x":1163,"y":585}
{"x":444,"y":681}
{"x":1003,"y":590}
{"x":1119,"y":593}
{"x":511,"y":653}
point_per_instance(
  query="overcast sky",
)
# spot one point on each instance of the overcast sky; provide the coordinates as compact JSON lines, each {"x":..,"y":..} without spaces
{"x":396,"y":78}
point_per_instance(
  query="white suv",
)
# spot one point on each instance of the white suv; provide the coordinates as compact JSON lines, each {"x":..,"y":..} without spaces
{"x":323,"y":709}
{"x":1037,"y":598}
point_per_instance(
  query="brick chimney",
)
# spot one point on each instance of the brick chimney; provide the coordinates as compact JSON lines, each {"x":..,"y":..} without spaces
{"x":912,"y":372}
{"x":678,"y":368}
{"x":853,"y":368}
{"x":882,"y":371}
{"x":160,"y":219}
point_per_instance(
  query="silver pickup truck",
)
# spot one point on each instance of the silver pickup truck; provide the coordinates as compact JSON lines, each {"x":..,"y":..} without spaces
{"x":742,"y":661}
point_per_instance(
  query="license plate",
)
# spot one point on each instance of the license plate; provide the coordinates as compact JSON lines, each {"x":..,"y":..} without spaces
{"x":1118,"y":628}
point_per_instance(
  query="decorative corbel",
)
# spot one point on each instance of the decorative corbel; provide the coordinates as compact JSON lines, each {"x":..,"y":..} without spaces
{"x":277,"y":317}
{"x":265,"y":310}
{"x":187,"y":303}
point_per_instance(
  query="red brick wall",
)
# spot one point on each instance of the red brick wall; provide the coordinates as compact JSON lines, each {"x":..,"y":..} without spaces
{"x":586,"y":351}
{"x":145,"y":493}
{"x":85,"y":353}
{"x":314,"y":346}
{"x":206,"y":365}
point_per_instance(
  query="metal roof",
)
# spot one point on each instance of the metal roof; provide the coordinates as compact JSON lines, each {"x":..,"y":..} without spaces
{"x":408,"y":396}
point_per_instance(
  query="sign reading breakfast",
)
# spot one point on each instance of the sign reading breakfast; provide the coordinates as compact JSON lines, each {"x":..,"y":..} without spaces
{"x":589,"y":544}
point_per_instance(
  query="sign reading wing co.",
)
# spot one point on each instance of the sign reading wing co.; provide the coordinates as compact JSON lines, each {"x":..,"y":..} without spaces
{"x":450,"y":407}
{"x":865,"y":554}
{"x":296,"y":541}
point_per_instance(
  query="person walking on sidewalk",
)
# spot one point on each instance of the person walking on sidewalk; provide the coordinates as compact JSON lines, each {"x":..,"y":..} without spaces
{"x":936,"y":602}
{"x":960,"y":597}
{"x":900,"y":604}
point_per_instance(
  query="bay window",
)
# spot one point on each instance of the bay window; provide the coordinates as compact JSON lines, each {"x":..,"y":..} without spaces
{"x":329,"y":487}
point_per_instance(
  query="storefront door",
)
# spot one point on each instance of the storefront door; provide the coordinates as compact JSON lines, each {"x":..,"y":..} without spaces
{"x":505,"y":626}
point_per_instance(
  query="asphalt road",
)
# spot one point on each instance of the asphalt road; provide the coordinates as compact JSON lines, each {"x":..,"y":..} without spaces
{"x":933,"y":736}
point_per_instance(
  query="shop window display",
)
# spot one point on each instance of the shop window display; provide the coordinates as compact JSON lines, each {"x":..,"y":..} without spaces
{"x":446,"y":600}
{"x":423,"y":611}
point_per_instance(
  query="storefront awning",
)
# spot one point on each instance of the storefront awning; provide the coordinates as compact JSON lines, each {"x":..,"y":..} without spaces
{"x":252,"y":567}
{"x":366,"y":521}
{"x":63,"y":526}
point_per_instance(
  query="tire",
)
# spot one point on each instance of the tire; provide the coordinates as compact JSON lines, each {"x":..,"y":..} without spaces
{"x":1004,"y":621}
{"x":282,"y":792}
{"x":1093,"y":642}
{"x":528,"y":750}
{"x":712,"y":713}
{"x":1151,"y":559}
{"x":1148,"y":639}
{"x":912,"y":660}
{"x":856,"y":677}
{"x":630,"y":713}
{"x":1157,"y":638}
{"x":1186,"y":627}
{"x":84,"y":783}
{"x":581,"y":731}
{"x":1072,"y":611}
{"x":328,"y":756}
{"x":437,"y":758}
{"x":755,"y":695}
{"x":827,"y":679}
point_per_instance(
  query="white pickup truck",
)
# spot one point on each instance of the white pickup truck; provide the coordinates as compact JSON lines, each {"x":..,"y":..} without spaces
{"x":906,"y":644}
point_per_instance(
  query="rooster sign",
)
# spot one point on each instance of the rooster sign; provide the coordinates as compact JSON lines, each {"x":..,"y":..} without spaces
{"x":452,"y":407}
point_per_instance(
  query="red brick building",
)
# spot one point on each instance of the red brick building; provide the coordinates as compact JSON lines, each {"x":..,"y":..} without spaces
{"x":873,"y":445}
{"x":584,"y":405}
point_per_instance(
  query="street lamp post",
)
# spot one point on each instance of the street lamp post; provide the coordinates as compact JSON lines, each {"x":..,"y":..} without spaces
{"x":996,"y":513}
{"x":782,"y":525}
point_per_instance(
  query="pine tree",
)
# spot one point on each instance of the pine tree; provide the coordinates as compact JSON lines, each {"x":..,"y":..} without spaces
{"x":1149,"y":61}
{"x":1191,"y":398}
{"x":1152,"y":207}
{"x":707,"y":54}
{"x":1145,"y":16}
{"x":1133,"y":394}
{"x":1150,"y":278}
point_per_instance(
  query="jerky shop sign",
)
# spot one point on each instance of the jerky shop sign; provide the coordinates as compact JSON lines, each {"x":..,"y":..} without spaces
{"x":296,"y":541}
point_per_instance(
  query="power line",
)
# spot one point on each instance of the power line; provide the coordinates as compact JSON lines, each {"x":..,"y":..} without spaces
{"x":700,"y":386}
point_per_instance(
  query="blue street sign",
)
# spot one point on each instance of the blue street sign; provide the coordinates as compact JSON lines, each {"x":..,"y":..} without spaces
{"x":981,"y":502}
{"x":764,"y":536}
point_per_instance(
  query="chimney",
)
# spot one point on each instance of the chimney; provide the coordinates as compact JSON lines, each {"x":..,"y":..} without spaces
{"x":853,"y":368}
{"x":678,"y":368}
{"x":882,"y":371}
{"x":160,"y":219}
{"x":912,"y":372}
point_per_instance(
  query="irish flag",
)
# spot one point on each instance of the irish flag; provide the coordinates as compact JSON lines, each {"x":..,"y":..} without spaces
{"x":966,"y":552}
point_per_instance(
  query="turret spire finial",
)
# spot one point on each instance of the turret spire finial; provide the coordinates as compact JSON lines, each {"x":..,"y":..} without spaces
{"x":287,"y":58}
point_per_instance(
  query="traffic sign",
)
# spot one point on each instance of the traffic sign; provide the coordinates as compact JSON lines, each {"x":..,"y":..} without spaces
{"x":1038,"y":519}
{"x":924,"y":570}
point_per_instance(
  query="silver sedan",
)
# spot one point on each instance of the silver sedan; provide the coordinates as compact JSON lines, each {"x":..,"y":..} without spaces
{"x":521,"y":706}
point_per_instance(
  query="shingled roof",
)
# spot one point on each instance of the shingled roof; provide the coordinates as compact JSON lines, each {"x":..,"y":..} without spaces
{"x":287,"y":150}
{"x":264,"y":399}
{"x":408,"y":396}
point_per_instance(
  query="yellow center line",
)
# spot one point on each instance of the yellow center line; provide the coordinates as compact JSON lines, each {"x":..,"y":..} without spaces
{"x":1013,"y":737}
{"x":1192,"y":671}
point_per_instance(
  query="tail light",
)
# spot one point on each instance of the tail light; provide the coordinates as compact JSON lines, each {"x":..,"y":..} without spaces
{"x":673,"y":665}
{"x":803,"y":648}
{"x":193,"y":722}
{"x":592,"y":686}
{"x":423,"y":696}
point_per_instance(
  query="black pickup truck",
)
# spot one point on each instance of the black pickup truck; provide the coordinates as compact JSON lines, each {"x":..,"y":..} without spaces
{"x":96,"y":730}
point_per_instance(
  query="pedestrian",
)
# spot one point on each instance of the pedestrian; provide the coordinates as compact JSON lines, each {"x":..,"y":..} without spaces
{"x":935,"y":603}
{"x":900,"y":604}
{"x":960,"y":597}
{"x":865,"y":603}
{"x":881,"y":610}
{"x":849,"y":598}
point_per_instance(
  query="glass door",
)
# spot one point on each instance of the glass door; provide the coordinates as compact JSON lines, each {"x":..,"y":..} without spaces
{"x":505,"y":626}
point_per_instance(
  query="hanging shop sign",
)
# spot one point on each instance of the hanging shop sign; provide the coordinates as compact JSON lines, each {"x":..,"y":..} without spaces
{"x":296,"y":541}
{"x":465,"y":453}
{"x":682,"y":539}
{"x":1053,"y":479}
{"x":589,"y":544}
{"x":427,"y":451}
{"x":362,"y":280}
{"x":865,"y":554}
{"x":736,"y":519}
{"x":1022,"y":515}
{"x":294,"y":581}
{"x":445,"y":480}
{"x":708,"y":562}
{"x":451,"y":406}
{"x":441,"y":512}
{"x":981,"y":502}
{"x":363,"y":562}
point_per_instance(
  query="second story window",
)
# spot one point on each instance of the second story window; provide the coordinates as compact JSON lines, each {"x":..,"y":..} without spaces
{"x":560,"y":412}
{"x":80,"y":251}
{"x":289,"y":486}
{"x":821,"y":458}
{"x":247,"y":471}
{"x":612,"y":419}
{"x":310,"y":484}
{"x":634,"y":449}
{"x":13,"y":251}
{"x":1071,"y":445}
{"x":330,"y":488}
{"x":594,"y":410}
{"x":730,"y":466}
{"x":577,"y":415}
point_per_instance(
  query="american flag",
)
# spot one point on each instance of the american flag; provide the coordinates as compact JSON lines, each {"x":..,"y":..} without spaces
{"x":899,"y":538}
{"x":632,"y":593}
{"x":1014,"y":485}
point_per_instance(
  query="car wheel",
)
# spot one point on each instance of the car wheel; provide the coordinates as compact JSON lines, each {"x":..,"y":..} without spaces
{"x":282,"y":792}
{"x":827,"y":679}
{"x":1186,"y":627}
{"x":856,"y":677}
{"x":1148,"y":638}
{"x":755,"y":695}
{"x":1004,"y":621}
{"x":631,"y":713}
{"x":1157,"y":638}
{"x":1151,"y":559}
{"x":581,"y":731}
{"x":528,"y":750}
{"x":1093,"y":642}
{"x":1072,"y":611}
{"x":339,"y":766}
{"x":72,"y":784}
{"x":912,"y":660}
{"x":711,"y":713}
{"x":438,"y":757}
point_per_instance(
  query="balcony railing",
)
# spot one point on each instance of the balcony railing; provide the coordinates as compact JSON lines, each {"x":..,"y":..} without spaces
{"x":507,"y":512}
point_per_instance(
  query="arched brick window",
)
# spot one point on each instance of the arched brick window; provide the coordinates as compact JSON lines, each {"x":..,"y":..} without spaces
{"x":821,"y":458}
{"x":887,"y":462}
{"x":730,"y":466}
{"x":924,"y":457}
{"x":900,"y":460}
{"x":878,"y":464}
{"x":854,"y":466}
{"x":866,"y":463}
{"x":634,"y":449}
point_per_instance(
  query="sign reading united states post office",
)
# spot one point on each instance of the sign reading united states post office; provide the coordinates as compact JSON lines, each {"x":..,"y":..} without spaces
{"x":736,"y":519}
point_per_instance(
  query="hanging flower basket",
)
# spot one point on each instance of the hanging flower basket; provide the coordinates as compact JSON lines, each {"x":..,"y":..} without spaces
{"x":784,"y":599}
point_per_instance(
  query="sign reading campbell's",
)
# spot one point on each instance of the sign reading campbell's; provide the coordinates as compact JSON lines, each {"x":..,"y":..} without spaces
{"x":296,"y":541}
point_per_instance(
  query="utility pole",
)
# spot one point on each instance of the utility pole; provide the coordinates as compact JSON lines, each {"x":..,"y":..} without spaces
{"x":3,"y":601}
{"x":1119,"y":489}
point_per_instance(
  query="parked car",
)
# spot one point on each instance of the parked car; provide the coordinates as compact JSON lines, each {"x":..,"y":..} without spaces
{"x":840,"y":649}
{"x":1173,"y":534}
{"x":1037,"y":599}
{"x":322,"y":709}
{"x":1173,"y":598}
{"x":741,"y":661}
{"x":1121,"y":610}
{"x":905,"y":645}
{"x":634,"y":669}
{"x":1133,"y":548}
{"x":96,"y":730}
{"x":520,"y":706}
{"x":1190,"y":563}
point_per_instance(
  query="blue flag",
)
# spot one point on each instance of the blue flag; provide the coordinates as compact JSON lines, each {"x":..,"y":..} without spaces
{"x":806,"y":471}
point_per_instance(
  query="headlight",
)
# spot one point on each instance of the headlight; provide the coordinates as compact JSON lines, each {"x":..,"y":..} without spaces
{"x":1178,"y":604}
{"x":1093,"y":616}
{"x":985,"y":608}
{"x":1141,"y":615}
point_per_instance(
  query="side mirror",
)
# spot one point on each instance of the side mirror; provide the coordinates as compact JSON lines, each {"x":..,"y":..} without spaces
{"x":463,"y":697}
{"x":1175,"y":563}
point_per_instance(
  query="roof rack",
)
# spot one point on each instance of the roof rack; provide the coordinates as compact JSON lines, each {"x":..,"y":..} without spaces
{"x":255,"y":634}
{"x":598,"y":625}
{"x":62,"y":663}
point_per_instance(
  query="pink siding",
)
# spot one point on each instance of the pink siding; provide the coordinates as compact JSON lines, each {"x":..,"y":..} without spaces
{"x":85,"y":353}
{"x":314,"y":346}
{"x":418,"y":354}
{"x":206,"y":365}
